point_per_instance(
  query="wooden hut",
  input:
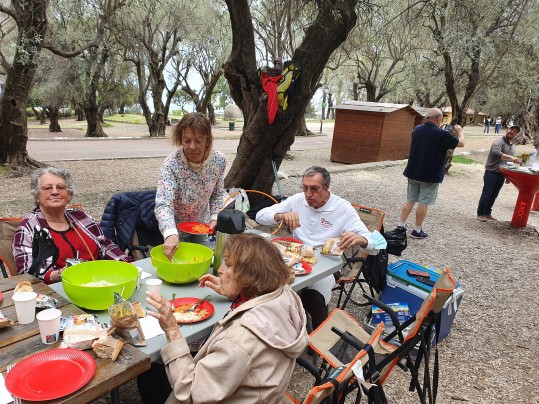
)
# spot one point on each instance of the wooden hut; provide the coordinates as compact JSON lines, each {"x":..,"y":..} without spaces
{"x":371,"y":131}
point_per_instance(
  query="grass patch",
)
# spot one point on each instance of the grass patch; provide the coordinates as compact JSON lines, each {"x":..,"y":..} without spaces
{"x":464,"y":160}
{"x":126,"y":118}
{"x":5,"y":171}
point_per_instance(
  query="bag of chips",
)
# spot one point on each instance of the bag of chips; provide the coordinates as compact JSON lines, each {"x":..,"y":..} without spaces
{"x":123,"y":316}
{"x":331,"y":247}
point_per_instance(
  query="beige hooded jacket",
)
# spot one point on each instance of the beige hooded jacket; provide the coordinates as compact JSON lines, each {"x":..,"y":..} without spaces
{"x":248,"y":358}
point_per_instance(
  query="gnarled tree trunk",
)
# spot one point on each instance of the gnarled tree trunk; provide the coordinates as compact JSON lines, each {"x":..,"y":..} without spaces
{"x":54,"y":113}
{"x":252,"y":167}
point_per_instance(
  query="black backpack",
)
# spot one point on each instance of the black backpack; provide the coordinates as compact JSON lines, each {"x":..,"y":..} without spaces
{"x":397,"y":240}
{"x":375,"y":270}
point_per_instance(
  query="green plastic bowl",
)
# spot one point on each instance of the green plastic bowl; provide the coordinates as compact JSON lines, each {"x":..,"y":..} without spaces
{"x":191,"y":262}
{"x":121,"y":274}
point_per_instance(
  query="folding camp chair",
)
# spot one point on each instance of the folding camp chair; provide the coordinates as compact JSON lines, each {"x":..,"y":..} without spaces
{"x":408,"y":346}
{"x":8,"y":226}
{"x":341,"y":381}
{"x":355,"y":263}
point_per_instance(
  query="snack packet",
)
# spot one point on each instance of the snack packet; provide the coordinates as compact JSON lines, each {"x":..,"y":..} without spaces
{"x":290,"y":258}
{"x":46,"y":302}
{"x":123,"y":316}
{"x":81,"y":331}
{"x":4,"y":321}
{"x":331,"y":247}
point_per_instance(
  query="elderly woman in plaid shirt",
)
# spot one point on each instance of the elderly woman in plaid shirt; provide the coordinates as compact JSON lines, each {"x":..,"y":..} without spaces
{"x":75,"y":234}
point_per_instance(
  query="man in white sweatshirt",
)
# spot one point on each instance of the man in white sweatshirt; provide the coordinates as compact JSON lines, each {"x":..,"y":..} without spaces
{"x":315,"y":215}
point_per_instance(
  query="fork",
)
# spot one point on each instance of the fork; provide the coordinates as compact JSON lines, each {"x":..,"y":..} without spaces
{"x":194,"y":305}
{"x":16,"y":400}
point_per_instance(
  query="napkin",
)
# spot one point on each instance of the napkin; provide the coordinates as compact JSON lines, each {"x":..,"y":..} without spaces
{"x":378,"y":240}
{"x":145,"y":275}
{"x":150,"y":327}
{"x":5,"y":397}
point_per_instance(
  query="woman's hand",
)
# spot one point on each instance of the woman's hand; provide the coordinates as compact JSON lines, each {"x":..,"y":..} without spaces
{"x":167,"y":321}
{"x":213,"y":223}
{"x":171,"y":245}
{"x":210,"y":281}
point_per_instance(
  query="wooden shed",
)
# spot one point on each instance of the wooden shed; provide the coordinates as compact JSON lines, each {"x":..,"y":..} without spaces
{"x":372,"y":131}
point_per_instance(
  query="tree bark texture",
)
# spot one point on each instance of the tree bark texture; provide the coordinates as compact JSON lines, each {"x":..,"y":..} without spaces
{"x":54,"y":114}
{"x":252,"y":168}
{"x":93,"y":120}
{"x":31,"y":19}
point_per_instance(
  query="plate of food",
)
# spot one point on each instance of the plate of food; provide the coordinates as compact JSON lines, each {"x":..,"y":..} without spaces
{"x":183,"y":316}
{"x":287,"y":239}
{"x":195,"y":228}
{"x":301,"y":268}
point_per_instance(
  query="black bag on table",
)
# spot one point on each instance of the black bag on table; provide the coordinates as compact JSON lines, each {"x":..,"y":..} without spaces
{"x":397,"y":240}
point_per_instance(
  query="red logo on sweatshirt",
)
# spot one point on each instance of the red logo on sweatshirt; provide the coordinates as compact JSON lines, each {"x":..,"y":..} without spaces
{"x":326,"y":223}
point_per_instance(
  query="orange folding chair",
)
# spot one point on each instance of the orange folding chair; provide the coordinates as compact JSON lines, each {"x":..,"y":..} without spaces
{"x":409,"y":345}
{"x":8,"y":226}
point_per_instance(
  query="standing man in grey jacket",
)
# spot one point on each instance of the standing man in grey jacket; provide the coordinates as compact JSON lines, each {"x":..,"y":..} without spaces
{"x":502,"y":149}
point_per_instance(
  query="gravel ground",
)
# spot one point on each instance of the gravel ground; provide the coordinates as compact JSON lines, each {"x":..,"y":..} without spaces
{"x":490,"y":356}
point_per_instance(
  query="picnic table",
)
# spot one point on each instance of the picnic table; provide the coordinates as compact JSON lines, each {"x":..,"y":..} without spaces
{"x":527,"y":183}
{"x":325,"y":266}
{"x":20,"y":341}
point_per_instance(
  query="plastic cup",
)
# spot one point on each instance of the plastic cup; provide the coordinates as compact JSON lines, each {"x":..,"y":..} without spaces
{"x":25,"y":306}
{"x":154,"y":285}
{"x":49,"y":325}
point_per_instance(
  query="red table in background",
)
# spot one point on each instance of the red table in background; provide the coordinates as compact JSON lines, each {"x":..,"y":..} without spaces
{"x":527,"y":184}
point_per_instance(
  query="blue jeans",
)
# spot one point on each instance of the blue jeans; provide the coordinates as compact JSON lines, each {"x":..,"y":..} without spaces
{"x":497,"y":128}
{"x":492,"y":183}
{"x":487,"y":127}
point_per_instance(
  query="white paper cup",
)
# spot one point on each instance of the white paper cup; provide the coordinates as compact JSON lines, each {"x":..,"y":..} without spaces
{"x":153,"y":285}
{"x":49,"y":325}
{"x":25,"y":306}
{"x":139,"y":279}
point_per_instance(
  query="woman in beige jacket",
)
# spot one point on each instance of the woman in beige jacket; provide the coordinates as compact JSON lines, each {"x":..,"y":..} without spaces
{"x":250,"y":355}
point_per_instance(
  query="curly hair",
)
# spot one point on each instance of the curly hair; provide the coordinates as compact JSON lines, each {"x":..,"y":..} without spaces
{"x":198,"y":123}
{"x":35,"y":180}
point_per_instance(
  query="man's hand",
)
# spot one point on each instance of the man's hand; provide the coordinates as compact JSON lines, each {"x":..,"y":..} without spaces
{"x":171,"y":245}
{"x":291,"y":219}
{"x":350,"y":239}
{"x":515,"y":160}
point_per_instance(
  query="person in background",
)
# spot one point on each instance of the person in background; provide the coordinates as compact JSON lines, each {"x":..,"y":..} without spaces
{"x":250,"y":355}
{"x":498,"y":124}
{"x":501,"y":150}
{"x":190,"y":187}
{"x":313,"y":216}
{"x":487,"y":124}
{"x":425,"y":168}
{"x":75,"y":234}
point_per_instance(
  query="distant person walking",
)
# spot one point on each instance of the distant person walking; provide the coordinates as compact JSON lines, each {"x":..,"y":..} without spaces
{"x":425,"y":168}
{"x":502,"y":149}
{"x":498,"y":125}
{"x":487,"y":125}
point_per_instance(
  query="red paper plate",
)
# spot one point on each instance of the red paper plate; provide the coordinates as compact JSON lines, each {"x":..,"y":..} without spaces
{"x":288,"y":239}
{"x":203,"y":306}
{"x":195,"y":228}
{"x":50,"y":374}
{"x":302,"y":268}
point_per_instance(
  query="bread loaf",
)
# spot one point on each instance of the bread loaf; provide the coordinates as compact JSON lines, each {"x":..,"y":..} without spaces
{"x":107,"y":347}
{"x":23,"y":286}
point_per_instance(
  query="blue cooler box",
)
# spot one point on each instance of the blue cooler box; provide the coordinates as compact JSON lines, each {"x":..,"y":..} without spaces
{"x":402,"y":287}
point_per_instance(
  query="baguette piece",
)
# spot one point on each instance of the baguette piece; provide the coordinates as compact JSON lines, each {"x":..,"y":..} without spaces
{"x":23,"y":286}
{"x":107,"y":347}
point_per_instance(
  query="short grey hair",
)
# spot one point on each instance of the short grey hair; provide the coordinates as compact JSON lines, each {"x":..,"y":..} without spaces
{"x":311,"y":171}
{"x":434,"y":113}
{"x":35,"y":180}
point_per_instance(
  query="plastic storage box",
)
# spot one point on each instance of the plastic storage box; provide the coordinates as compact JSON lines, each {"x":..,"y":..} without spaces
{"x":400,"y":309}
{"x":402,"y":287}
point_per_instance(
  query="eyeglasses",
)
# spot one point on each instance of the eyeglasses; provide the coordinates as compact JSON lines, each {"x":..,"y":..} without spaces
{"x":314,"y":189}
{"x":48,"y":188}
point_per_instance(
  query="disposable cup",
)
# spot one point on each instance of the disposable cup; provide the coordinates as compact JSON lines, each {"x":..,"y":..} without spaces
{"x":25,"y":306}
{"x":49,"y":325}
{"x":154,"y":285}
